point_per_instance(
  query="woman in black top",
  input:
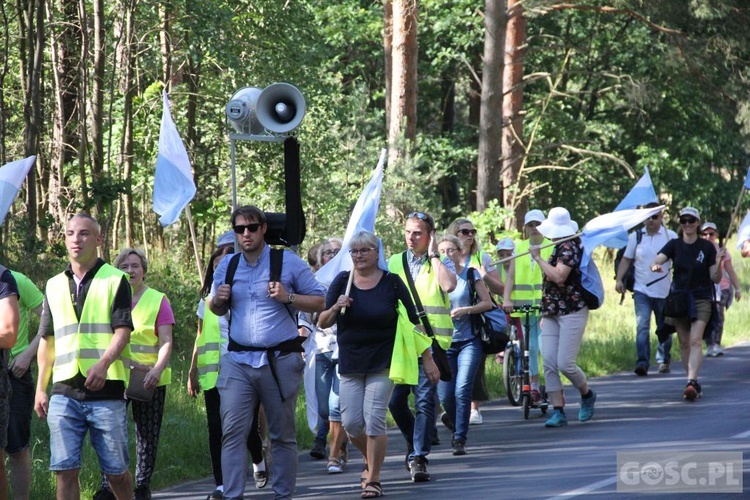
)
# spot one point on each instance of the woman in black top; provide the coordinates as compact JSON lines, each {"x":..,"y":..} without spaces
{"x":366,"y":337}
{"x":695,"y":270}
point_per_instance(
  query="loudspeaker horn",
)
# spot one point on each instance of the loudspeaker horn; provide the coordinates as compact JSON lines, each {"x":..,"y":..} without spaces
{"x":242,"y":111}
{"x":281,"y":108}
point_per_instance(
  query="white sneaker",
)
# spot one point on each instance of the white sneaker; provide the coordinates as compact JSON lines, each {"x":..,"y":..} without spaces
{"x":475,"y":418}
{"x":710,"y":352}
{"x":718,"y":351}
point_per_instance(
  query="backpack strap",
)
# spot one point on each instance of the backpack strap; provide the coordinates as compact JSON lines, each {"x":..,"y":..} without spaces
{"x":417,"y":302}
{"x":234,"y":261}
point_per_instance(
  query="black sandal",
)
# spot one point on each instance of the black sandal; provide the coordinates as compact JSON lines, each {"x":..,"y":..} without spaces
{"x":373,"y":489}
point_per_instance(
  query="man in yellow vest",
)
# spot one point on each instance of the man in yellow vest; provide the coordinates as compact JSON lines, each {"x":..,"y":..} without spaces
{"x":434,"y":278}
{"x":85,"y":326}
{"x":9,"y":317}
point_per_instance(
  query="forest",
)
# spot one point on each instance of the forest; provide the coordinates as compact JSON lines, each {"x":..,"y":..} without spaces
{"x":485,"y":108}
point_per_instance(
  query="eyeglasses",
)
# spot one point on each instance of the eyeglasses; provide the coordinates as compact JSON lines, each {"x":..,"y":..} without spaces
{"x":361,"y":251}
{"x":533,"y":223}
{"x":654,"y":217}
{"x":468,"y":232}
{"x":240,"y":228}
{"x":330,"y":253}
{"x":448,"y":251}
{"x":688,"y":220}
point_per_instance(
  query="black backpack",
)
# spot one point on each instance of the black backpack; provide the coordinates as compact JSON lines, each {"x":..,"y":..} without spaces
{"x":629,"y":279}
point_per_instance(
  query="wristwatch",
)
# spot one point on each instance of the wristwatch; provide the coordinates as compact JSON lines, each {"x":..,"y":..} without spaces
{"x":292,"y":298}
{"x":434,"y":256}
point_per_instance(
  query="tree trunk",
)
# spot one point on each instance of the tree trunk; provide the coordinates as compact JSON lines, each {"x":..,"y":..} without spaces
{"x":403,"y":122}
{"x":97,"y":117}
{"x":128,"y":65}
{"x":512,"y":143}
{"x":3,"y":71}
{"x":388,"y":57}
{"x":490,"y":119}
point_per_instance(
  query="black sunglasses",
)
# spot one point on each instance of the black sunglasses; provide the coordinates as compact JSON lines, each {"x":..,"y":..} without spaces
{"x":468,"y":232}
{"x":688,"y":220}
{"x":423,"y":217}
{"x":654,"y":217}
{"x":240,"y":228}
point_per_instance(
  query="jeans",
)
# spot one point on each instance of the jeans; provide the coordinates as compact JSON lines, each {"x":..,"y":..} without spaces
{"x":70,"y":419}
{"x":417,"y":430}
{"x":644,"y":307}
{"x":455,"y":396}
{"x":327,"y":392}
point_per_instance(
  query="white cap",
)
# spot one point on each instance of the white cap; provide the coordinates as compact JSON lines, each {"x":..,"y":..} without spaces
{"x":505,"y":244}
{"x":533,"y":215}
{"x":709,"y":225}
{"x":693,"y":212}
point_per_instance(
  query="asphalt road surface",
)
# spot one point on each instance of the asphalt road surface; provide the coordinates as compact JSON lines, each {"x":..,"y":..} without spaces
{"x":510,"y":457}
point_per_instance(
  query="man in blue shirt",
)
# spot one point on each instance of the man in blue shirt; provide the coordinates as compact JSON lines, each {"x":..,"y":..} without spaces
{"x":264,"y":364}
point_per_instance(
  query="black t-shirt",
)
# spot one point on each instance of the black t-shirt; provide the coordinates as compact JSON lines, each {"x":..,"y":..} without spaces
{"x":700,"y":256}
{"x":366,"y":333}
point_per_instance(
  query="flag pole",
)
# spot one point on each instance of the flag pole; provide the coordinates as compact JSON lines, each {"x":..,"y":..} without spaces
{"x":348,"y":288}
{"x":557,"y":242}
{"x":194,"y":240}
{"x":735,"y":212}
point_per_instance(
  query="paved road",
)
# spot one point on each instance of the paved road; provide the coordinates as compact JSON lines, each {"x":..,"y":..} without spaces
{"x":510,"y":457}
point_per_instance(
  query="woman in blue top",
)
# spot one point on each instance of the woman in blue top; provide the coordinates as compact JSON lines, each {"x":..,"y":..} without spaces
{"x":465,"y":353}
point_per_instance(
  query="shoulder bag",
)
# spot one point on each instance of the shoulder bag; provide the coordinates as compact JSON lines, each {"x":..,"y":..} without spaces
{"x":490,"y":326}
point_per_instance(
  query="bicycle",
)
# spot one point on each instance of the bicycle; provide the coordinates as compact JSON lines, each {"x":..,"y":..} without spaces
{"x":516,"y":377}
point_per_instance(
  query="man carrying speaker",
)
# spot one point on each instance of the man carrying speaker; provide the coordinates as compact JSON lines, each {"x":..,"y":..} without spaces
{"x":263,"y":363}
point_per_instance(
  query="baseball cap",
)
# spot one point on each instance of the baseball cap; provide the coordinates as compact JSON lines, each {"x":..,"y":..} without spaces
{"x":533,"y":215}
{"x":225,"y":239}
{"x":505,"y":244}
{"x":709,"y":225}
{"x":690,"y":211}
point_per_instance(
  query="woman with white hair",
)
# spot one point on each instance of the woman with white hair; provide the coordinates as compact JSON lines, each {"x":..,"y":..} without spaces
{"x":564,"y":313}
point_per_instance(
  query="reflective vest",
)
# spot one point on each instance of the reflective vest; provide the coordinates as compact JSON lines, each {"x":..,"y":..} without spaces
{"x":436,"y":303}
{"x":80,"y":345}
{"x":209,"y":350}
{"x":144,"y":341}
{"x":527,"y":290}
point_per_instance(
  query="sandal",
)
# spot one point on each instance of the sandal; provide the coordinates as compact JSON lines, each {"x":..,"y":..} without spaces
{"x":335,"y":466}
{"x":372,"y":490}
{"x":364,"y":477}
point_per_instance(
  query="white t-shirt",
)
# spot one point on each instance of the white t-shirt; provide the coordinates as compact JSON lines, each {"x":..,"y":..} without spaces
{"x":644,"y":255}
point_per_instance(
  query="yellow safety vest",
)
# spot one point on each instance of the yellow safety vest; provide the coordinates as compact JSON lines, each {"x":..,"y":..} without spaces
{"x":79,"y":345}
{"x":209,"y":350}
{"x":436,"y":303}
{"x":144,"y":342}
{"x":527,"y":290}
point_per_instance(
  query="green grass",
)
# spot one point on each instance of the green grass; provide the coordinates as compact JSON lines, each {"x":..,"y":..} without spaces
{"x":608,"y":346}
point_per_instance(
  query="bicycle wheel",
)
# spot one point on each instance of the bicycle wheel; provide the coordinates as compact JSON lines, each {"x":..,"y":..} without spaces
{"x":512,"y":376}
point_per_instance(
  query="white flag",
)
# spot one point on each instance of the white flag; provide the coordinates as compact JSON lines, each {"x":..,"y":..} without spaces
{"x":12,"y":176}
{"x":173,"y":180}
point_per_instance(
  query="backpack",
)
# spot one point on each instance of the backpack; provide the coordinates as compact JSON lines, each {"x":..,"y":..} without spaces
{"x":629,"y":279}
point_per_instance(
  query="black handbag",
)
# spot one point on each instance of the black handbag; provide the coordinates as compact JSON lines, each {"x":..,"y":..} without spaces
{"x":677,"y":304}
{"x":438,"y":353}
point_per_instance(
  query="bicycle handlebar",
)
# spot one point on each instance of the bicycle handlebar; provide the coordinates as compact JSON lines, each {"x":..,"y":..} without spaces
{"x":527,"y":308}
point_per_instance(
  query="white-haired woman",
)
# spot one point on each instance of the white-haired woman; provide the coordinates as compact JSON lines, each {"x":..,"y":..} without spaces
{"x":564,"y":314}
{"x":366,"y":338}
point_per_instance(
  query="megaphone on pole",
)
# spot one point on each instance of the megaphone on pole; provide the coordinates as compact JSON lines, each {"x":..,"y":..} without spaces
{"x":280,"y":108}
{"x":241,"y":111}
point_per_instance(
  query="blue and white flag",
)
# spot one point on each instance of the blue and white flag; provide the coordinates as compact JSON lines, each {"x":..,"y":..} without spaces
{"x":598,"y":231}
{"x":12,"y":176}
{"x":643,"y":192}
{"x":173,"y":180}
{"x":743,"y":233}
{"x":362,"y":219}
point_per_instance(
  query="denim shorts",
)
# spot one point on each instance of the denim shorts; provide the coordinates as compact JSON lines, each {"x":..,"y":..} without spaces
{"x":21,"y":408}
{"x":69,"y":419}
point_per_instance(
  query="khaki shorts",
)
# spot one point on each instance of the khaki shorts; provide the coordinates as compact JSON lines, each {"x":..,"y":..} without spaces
{"x":702,"y":313}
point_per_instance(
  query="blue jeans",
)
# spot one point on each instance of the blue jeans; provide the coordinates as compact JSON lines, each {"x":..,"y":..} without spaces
{"x":455,"y":396}
{"x":70,"y":419}
{"x":327,"y":392}
{"x":644,"y":307}
{"x":417,"y":430}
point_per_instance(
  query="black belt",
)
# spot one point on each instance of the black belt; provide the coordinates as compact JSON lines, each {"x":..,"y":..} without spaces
{"x":293,"y":345}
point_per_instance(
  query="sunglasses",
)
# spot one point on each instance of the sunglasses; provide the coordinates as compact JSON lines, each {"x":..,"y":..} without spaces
{"x":421,"y":216}
{"x":688,"y":220}
{"x":654,"y":217}
{"x":710,"y":234}
{"x":468,"y":232}
{"x":240,"y":228}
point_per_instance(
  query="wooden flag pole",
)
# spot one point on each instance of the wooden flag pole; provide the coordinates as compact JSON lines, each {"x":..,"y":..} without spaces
{"x":561,"y":240}
{"x":734,"y":213}
{"x":195,"y":241}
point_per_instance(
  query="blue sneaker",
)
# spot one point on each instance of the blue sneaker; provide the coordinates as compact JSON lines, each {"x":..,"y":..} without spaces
{"x":558,"y":419}
{"x":587,"y":407}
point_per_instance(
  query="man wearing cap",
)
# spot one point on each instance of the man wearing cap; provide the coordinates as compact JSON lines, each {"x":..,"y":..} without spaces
{"x":650,"y":290}
{"x":523,"y":287}
{"x":724,"y":293}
